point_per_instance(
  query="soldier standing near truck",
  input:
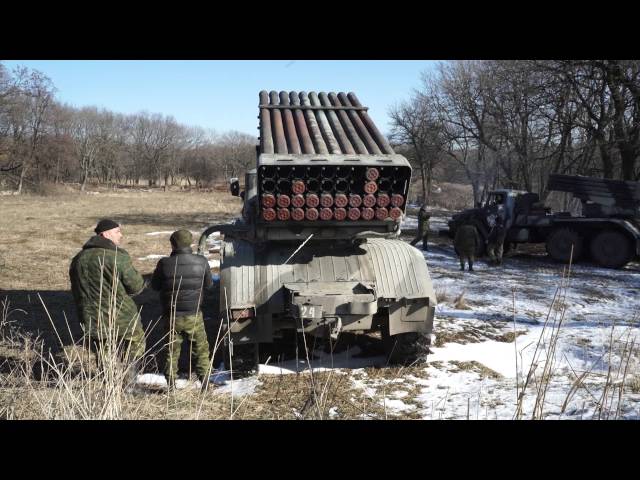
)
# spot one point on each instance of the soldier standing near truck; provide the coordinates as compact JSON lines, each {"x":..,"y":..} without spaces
{"x":423,"y":227}
{"x":103,"y":280}
{"x":180,"y":279}
{"x":495,"y":242}
{"x":466,"y":243}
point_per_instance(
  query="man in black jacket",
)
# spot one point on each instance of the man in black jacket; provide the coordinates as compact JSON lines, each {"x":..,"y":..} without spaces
{"x":180,"y":278}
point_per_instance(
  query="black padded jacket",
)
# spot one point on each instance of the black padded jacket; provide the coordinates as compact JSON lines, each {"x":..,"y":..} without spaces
{"x":180,"y":278}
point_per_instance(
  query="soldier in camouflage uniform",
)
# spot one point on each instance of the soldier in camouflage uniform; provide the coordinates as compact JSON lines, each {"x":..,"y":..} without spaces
{"x":180,"y":279}
{"x":423,"y":228}
{"x":495,"y":242}
{"x":466,"y":243}
{"x":102,"y":282}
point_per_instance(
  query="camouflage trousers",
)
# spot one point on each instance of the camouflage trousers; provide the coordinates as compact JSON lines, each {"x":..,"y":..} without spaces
{"x":129,"y":339}
{"x":190,"y":328}
{"x":469,"y":258}
{"x":495,"y":250}
{"x":421,"y":236}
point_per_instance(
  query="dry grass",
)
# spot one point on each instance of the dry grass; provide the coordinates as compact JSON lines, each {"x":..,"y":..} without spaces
{"x":39,"y":235}
{"x":479,"y":368}
{"x":453,"y":196}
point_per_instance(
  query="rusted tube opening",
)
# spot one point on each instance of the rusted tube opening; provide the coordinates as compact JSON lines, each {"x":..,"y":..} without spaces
{"x":397,"y":200}
{"x":368,"y":213}
{"x":341,"y":200}
{"x":312,"y":200}
{"x":268,"y":201}
{"x":370,"y":187}
{"x":326,"y":214}
{"x":297,"y":201}
{"x":298,"y":187}
{"x":312,"y":214}
{"x":395,"y":213}
{"x":326,"y":200}
{"x":269,"y":214}
{"x":355,"y":200}
{"x":372,"y":174}
{"x":383,"y":200}
{"x":340,"y":214}
{"x":297,"y":214}
{"x":284,"y":201}
{"x":382,"y":213}
{"x":369,"y":200}
{"x":283,"y":214}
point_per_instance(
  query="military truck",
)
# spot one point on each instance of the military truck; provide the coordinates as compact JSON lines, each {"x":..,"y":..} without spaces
{"x":607,"y":230}
{"x":316,"y":250}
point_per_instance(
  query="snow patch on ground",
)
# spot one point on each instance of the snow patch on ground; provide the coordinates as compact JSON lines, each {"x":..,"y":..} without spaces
{"x":322,"y":362}
{"x":152,"y":257}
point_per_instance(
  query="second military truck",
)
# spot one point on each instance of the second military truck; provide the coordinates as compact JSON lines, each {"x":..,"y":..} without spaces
{"x":607,"y":230}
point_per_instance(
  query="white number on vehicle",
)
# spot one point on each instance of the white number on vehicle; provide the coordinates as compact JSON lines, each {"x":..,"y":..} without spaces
{"x":307,"y":311}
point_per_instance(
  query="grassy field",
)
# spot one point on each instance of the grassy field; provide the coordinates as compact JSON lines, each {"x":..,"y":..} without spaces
{"x":38,"y":237}
{"x":498,"y":348}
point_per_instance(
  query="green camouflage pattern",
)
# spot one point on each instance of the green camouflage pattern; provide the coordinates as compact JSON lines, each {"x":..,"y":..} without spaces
{"x":495,"y":251}
{"x":423,"y":228}
{"x":102,"y":281}
{"x":190,"y":328}
{"x":466,"y":240}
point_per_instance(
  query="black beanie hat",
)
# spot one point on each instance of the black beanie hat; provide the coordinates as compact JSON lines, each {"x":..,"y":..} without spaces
{"x":104,"y":225}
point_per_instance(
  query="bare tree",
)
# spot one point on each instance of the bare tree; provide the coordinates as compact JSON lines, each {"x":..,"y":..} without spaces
{"x":416,"y":126}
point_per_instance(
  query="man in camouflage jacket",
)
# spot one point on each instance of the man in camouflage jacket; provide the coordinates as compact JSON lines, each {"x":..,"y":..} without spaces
{"x":102,"y":282}
{"x":466,"y":243}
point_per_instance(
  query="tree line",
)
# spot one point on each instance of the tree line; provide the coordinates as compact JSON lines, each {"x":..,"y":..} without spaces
{"x":511,"y":123}
{"x":45,"y":140}
{"x":495,"y":123}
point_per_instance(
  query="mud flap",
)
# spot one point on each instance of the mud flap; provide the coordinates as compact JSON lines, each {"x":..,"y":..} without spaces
{"x":411,"y":315}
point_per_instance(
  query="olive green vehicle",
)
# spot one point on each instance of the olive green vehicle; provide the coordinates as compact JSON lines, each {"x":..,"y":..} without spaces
{"x":607,"y":231}
{"x":317,"y":249}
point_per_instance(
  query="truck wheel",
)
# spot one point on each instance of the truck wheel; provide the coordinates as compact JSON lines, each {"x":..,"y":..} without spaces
{"x":244,"y":359}
{"x":402,"y":348}
{"x":559,"y":244}
{"x":611,"y":249}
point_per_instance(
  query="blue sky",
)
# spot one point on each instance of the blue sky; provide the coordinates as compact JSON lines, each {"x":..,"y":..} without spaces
{"x":223,"y":95}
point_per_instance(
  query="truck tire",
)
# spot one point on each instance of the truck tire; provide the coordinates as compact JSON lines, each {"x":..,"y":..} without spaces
{"x":403,"y":348}
{"x":244,"y":359}
{"x":559,"y":244}
{"x":611,"y":249}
